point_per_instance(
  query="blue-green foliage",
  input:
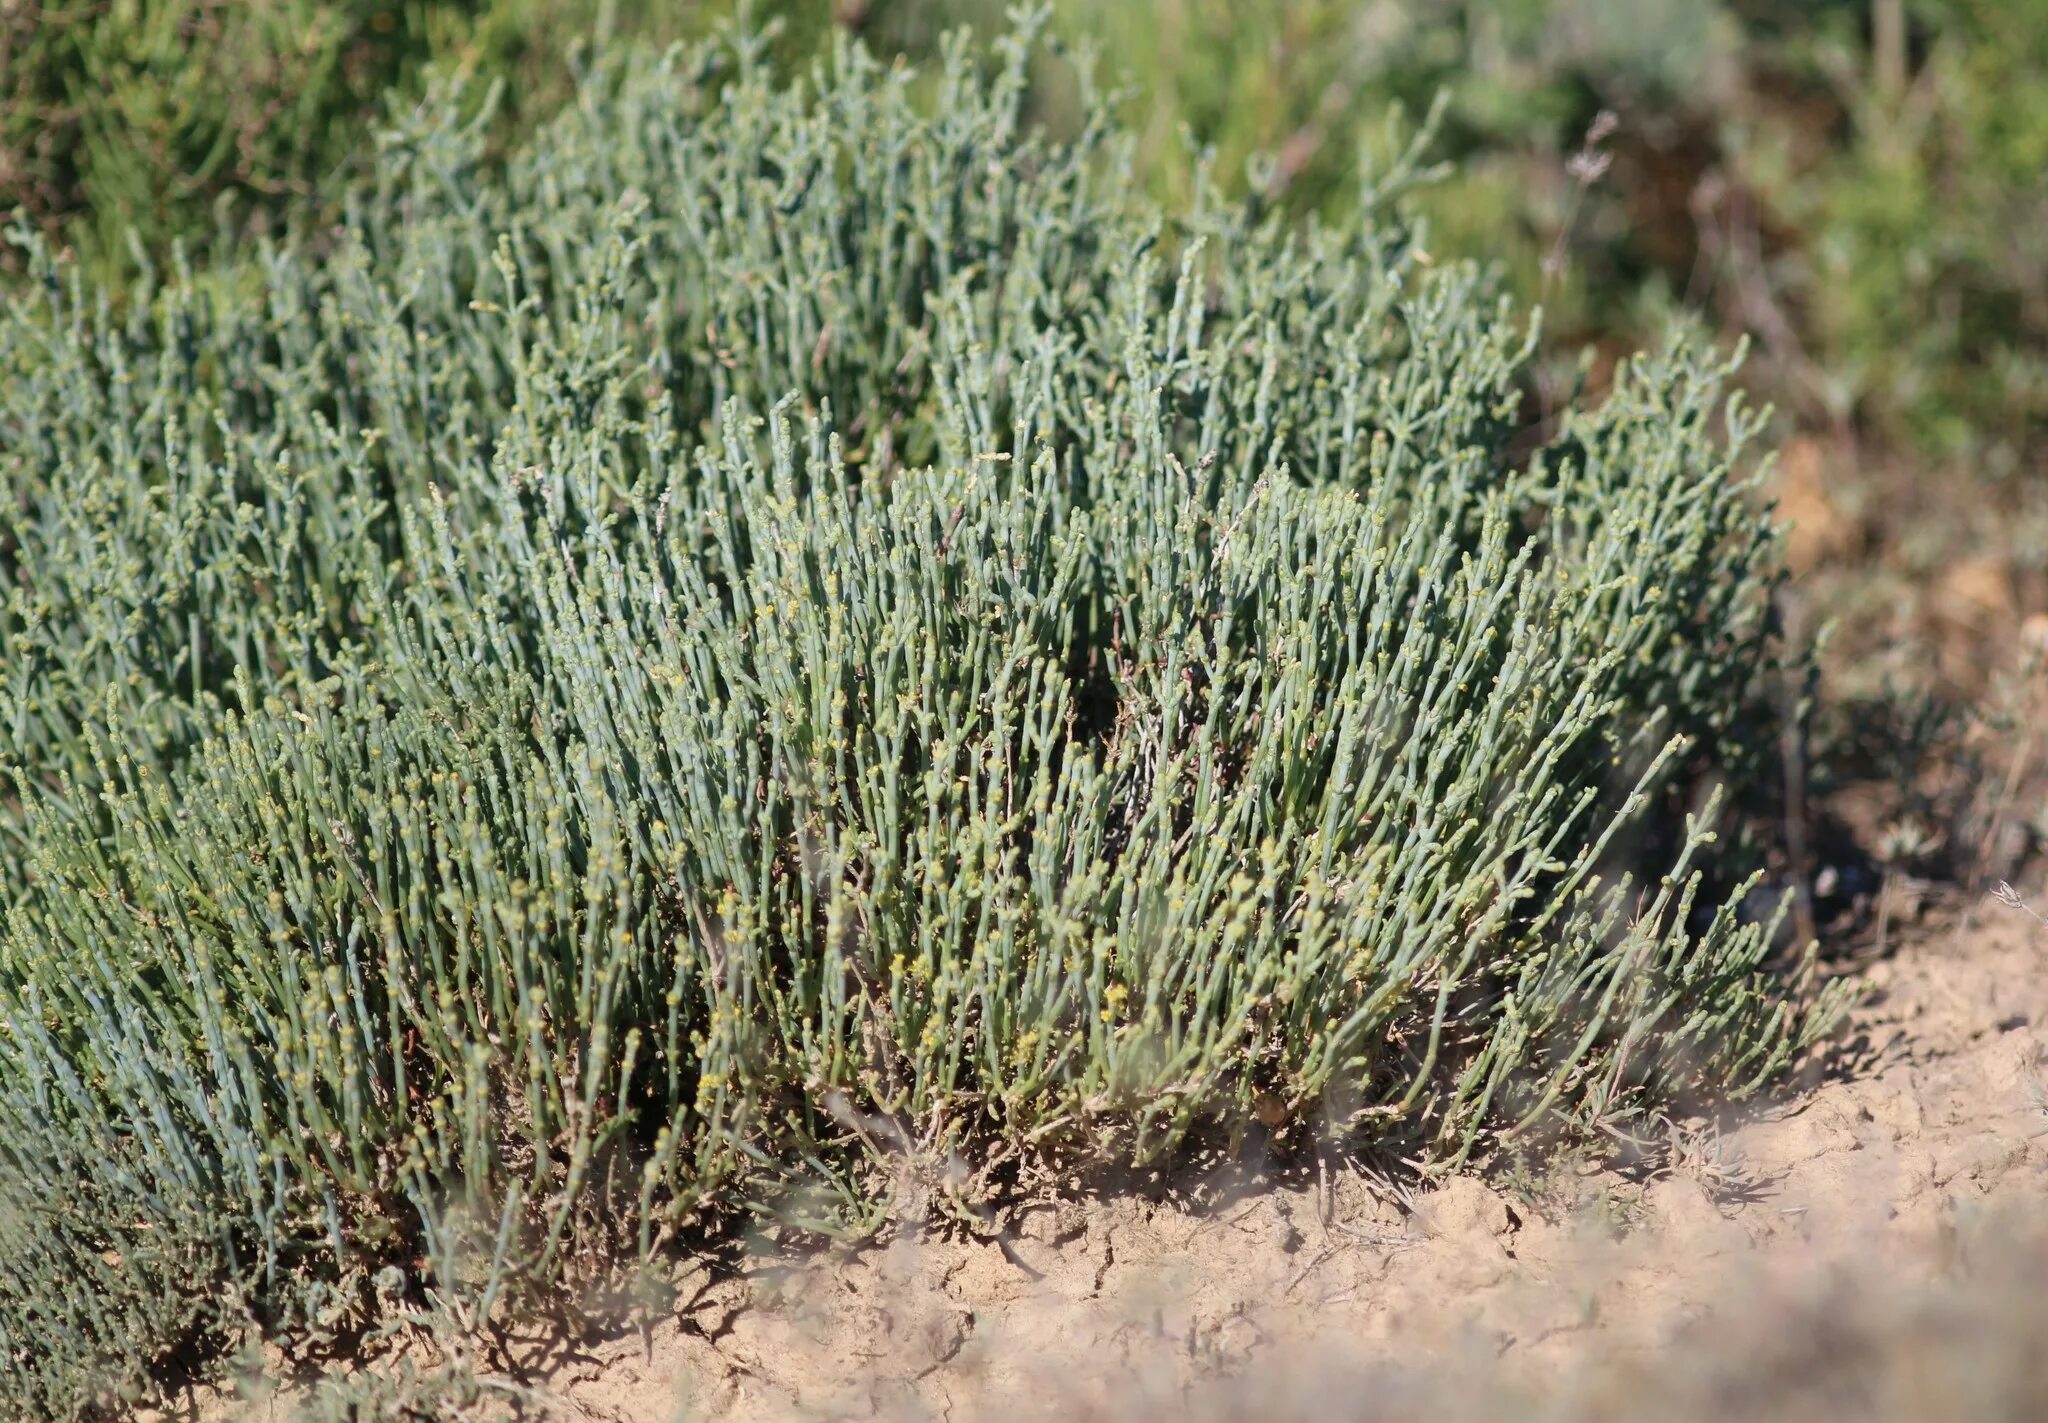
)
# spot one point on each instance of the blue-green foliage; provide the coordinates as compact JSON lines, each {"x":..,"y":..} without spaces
{"x":795,"y":635}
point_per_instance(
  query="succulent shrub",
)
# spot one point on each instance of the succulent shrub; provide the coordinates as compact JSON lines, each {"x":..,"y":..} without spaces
{"x":790,"y":632}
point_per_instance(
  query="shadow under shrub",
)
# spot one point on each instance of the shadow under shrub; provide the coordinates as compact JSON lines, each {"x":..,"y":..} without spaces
{"x":791,"y":630}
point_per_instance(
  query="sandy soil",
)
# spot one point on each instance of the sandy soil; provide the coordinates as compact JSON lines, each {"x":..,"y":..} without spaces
{"x":1934,"y":1117}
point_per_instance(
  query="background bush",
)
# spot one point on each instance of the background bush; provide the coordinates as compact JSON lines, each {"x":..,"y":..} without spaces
{"x":1853,"y":180}
{"x":772,"y":638}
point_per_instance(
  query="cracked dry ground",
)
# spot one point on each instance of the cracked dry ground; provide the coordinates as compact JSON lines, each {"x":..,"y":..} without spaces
{"x":1938,"y":1118}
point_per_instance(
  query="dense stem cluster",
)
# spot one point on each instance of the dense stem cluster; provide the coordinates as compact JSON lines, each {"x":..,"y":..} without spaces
{"x":790,"y":633}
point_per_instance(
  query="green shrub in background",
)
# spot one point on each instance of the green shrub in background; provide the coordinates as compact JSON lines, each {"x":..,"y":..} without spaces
{"x":178,"y":119}
{"x":1929,"y":276}
{"x":161,"y":122}
{"x":154,"y":115}
{"x":1854,"y":181}
{"x":1857,"y":182}
{"x":781,"y":637}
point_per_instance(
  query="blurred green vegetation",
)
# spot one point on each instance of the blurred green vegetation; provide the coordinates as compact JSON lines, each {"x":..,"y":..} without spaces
{"x":1862,"y":186}
{"x":1859,"y":183}
{"x":171,"y":119}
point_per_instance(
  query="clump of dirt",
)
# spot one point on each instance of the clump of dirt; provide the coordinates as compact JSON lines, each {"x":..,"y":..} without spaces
{"x":1781,"y":1227}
